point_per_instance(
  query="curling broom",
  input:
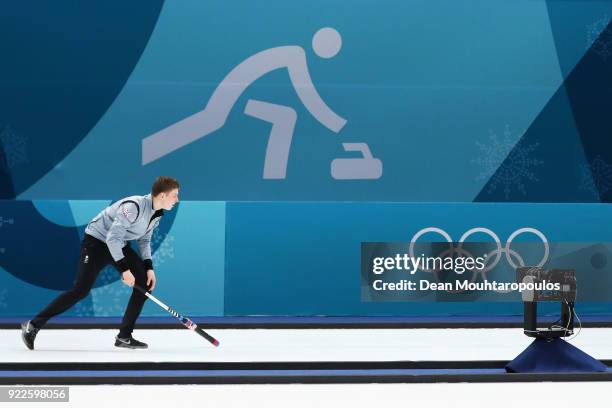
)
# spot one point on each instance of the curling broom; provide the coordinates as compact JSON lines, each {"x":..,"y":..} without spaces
{"x":187,"y":322}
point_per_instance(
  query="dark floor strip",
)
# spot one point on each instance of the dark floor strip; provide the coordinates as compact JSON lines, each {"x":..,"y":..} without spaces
{"x":319,"y":378}
{"x":308,"y":322}
{"x":280,"y":365}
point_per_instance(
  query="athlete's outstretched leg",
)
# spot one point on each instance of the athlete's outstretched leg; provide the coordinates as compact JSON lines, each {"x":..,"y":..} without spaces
{"x":94,"y":257}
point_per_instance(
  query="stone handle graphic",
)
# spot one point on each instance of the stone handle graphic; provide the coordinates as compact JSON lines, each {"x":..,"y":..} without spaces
{"x":362,"y":168}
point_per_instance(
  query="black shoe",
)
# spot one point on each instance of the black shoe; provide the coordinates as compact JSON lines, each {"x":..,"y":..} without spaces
{"x":130,"y":343}
{"x":28,"y":334}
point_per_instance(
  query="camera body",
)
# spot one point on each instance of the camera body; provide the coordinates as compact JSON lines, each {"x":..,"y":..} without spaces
{"x":548,"y":285}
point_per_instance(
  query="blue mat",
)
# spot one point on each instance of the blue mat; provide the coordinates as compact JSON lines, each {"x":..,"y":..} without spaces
{"x":553,"y":356}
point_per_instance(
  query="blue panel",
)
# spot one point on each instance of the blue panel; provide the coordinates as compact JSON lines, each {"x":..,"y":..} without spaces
{"x":59,"y":77}
{"x":190,"y":262}
{"x":304,"y":258}
{"x":39,"y":258}
{"x":577,"y":27}
{"x":418,"y":81}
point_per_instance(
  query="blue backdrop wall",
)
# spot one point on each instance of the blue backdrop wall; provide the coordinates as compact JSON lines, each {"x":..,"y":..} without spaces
{"x":255,"y":107}
{"x":273,"y":259}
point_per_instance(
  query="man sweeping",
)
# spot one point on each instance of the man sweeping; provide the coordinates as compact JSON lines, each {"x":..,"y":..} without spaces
{"x":106,"y":242}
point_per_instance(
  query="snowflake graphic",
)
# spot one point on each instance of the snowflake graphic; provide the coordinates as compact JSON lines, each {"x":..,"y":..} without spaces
{"x":83,"y":308}
{"x":596,"y":177}
{"x":506,"y":162}
{"x":14,"y":147}
{"x":111,"y":298}
{"x":3,"y":221}
{"x":6,"y":221}
{"x":599,"y":37}
{"x":3,"y":296}
{"x":165,"y":247}
{"x":108,"y":275}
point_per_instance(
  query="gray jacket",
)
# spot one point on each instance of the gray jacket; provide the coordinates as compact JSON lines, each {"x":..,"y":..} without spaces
{"x":131,"y":218}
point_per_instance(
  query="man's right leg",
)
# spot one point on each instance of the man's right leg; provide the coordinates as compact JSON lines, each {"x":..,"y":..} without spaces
{"x":94,"y":256}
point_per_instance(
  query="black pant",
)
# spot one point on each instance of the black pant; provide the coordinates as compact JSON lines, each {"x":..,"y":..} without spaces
{"x":95,"y":255}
